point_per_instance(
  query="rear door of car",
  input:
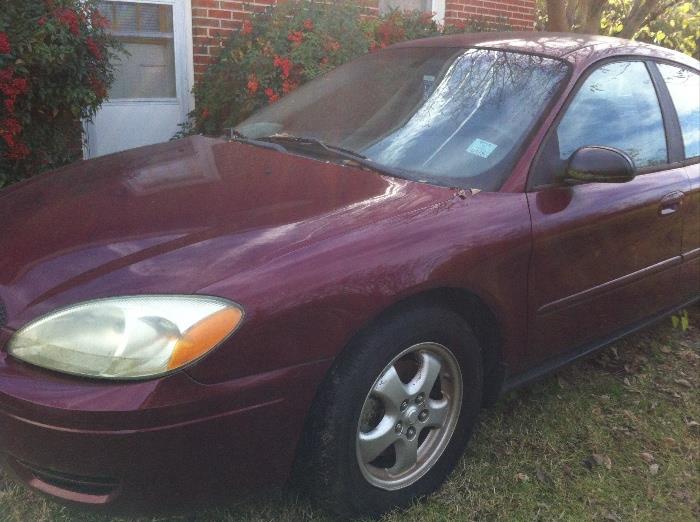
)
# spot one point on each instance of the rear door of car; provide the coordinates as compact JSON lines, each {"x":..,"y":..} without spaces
{"x":605,"y":255}
{"x":683,"y":85}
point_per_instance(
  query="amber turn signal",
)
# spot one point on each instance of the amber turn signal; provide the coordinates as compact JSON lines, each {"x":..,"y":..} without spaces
{"x":203,"y":336}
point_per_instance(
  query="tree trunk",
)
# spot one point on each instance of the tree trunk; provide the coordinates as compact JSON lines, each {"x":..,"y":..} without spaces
{"x":572,"y":7}
{"x":556,"y":16}
{"x":593,"y":11}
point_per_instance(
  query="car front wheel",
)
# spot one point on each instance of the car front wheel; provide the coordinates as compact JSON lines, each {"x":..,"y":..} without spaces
{"x":395,"y":414}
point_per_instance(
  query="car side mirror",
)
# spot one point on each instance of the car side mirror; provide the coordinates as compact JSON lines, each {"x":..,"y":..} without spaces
{"x":596,"y":164}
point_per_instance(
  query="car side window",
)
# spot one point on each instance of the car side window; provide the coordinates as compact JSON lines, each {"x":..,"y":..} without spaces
{"x":617,"y":107}
{"x":684,"y":86}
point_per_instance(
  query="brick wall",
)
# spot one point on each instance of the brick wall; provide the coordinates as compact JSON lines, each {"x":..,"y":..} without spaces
{"x":519,"y":13}
{"x":214,"y":20}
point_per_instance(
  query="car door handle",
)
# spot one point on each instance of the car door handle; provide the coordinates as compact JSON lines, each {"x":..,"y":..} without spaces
{"x":671,"y":203}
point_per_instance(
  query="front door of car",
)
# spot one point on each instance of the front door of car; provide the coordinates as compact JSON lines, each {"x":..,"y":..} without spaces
{"x":605,"y":255}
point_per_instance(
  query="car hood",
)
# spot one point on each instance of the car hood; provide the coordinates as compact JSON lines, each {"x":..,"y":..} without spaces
{"x":177,"y":217}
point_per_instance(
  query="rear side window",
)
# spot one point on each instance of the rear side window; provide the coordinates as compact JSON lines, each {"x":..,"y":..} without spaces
{"x":617,"y":107}
{"x":684,"y":87}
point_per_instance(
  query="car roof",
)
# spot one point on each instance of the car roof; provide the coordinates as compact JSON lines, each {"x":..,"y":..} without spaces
{"x":571,"y":46}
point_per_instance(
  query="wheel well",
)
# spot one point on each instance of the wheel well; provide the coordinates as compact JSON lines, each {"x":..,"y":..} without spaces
{"x":483,"y":322}
{"x":465,"y":303}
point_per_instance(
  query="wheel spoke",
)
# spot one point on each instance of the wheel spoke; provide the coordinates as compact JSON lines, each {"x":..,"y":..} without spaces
{"x":427,"y":374}
{"x":439,"y":411}
{"x":390,"y":390}
{"x":406,"y":455}
{"x":375,"y":442}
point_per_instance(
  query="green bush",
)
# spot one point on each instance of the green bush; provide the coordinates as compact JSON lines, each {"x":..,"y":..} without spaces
{"x":54,"y":71}
{"x":292,"y":43}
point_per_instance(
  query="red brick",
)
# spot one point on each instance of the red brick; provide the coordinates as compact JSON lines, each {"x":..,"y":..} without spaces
{"x":205,"y":59}
{"x":218,"y":13}
{"x":230,"y":24}
{"x":203,"y":40}
{"x":214,"y":4}
{"x":220,"y":33}
{"x":232,"y":6}
{"x":205,"y":22}
{"x":200,"y":68}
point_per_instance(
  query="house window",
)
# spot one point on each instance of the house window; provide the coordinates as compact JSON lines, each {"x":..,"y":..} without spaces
{"x":146,"y":32}
{"x":429,"y":6}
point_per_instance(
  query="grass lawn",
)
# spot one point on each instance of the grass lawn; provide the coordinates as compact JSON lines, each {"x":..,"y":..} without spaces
{"x":615,"y":437}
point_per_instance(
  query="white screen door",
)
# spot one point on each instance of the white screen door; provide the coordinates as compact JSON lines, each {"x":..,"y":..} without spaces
{"x":151,"y":92}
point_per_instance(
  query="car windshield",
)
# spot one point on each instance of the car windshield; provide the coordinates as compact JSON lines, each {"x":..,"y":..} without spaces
{"x":454,"y":117}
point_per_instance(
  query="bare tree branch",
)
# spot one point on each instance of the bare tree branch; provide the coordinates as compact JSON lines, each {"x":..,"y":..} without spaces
{"x":642,"y":13}
{"x":584,"y":16}
{"x":661,"y":9}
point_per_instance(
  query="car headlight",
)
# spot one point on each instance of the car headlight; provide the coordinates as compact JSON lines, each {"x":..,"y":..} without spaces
{"x":130,"y":337}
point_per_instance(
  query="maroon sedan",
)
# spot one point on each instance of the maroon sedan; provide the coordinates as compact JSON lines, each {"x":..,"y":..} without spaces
{"x":334,"y":291}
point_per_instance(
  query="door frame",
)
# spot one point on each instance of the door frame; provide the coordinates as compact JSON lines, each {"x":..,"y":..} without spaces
{"x":439,"y":7}
{"x":184,"y":68}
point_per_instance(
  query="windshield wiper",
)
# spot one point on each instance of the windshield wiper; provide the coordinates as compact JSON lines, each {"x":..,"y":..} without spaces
{"x":302,"y":140}
{"x":347,"y":154}
{"x":275,"y":141}
{"x":235,"y":135}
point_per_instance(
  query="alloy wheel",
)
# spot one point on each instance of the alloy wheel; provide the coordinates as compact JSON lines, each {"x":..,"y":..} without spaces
{"x":409,"y":416}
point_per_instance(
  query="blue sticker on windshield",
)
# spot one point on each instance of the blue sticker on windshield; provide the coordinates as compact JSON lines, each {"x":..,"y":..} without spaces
{"x":481,"y":148}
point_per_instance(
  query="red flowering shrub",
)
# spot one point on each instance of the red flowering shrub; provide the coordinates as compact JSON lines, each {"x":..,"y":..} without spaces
{"x":5,"y":44}
{"x":283,"y":47}
{"x":273,"y":53}
{"x":54,"y":72}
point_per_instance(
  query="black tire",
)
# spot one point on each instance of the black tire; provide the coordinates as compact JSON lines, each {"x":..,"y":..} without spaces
{"x":328,"y":460}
